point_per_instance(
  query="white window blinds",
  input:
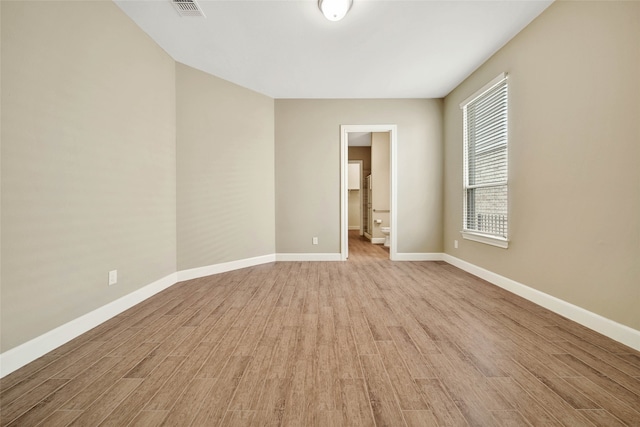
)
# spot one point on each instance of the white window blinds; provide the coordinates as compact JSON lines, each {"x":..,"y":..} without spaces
{"x":485,"y":161}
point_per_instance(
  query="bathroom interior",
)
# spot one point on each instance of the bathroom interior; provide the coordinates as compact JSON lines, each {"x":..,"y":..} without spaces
{"x":369,"y":186}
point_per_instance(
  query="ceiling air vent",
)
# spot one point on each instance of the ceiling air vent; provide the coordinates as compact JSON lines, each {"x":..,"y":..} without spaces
{"x":187,"y":8}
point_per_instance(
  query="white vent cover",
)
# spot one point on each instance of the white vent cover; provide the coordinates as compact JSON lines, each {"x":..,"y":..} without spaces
{"x":187,"y":8}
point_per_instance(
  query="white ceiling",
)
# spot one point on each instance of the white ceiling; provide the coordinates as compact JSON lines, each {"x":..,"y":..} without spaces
{"x":359,"y":139}
{"x":381,"y":49}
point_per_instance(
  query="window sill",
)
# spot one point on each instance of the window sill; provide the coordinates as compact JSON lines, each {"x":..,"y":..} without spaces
{"x":486,"y":239}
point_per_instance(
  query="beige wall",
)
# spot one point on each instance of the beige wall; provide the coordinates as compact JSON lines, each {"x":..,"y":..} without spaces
{"x":380,"y":181}
{"x":307,"y":155}
{"x":574,"y":153}
{"x":364,"y":154}
{"x":225,"y":172}
{"x":355,"y":188}
{"x":88,"y":162}
{"x":354,"y":210}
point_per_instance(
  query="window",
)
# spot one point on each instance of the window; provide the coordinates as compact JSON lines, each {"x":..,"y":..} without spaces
{"x":485,"y":212}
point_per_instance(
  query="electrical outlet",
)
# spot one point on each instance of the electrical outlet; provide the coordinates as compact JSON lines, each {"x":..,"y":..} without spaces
{"x":455,"y":244}
{"x":315,"y":241}
{"x":113,"y":277}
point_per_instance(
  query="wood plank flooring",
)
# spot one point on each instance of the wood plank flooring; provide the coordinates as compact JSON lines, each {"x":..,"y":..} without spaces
{"x":358,"y":343}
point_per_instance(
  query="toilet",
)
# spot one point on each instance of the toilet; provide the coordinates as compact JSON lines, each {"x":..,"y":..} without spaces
{"x":386,"y":231}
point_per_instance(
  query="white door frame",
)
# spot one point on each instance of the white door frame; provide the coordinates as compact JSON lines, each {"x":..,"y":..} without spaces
{"x":344,"y":192}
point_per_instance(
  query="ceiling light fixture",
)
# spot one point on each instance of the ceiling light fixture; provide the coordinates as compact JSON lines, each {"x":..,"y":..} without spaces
{"x":334,"y":10}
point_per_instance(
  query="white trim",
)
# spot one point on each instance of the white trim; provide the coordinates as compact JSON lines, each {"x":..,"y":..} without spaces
{"x":23,"y":354}
{"x":309,"y":257}
{"x":608,"y":327}
{"x":378,"y":240}
{"x":344,"y":159}
{"x":393,"y":215}
{"x":195,"y":273}
{"x":417,"y":256}
{"x":354,"y":227}
{"x":344,"y":194}
{"x":17,"y":357}
{"x":485,"y":238}
{"x":500,"y":77}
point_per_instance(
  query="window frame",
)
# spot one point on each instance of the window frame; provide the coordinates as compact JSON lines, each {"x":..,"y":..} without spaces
{"x":474,"y":234}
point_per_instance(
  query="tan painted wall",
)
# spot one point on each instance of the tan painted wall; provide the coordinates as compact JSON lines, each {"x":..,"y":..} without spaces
{"x":574,"y":158}
{"x":380,"y":181}
{"x":364,"y":154}
{"x":354,"y":209}
{"x":88,"y":162}
{"x":355,"y":183}
{"x":307,"y":155}
{"x":225,"y":175}
{"x":0,"y":173}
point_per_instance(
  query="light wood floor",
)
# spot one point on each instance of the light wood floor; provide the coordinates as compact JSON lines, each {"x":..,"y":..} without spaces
{"x":365,"y":342}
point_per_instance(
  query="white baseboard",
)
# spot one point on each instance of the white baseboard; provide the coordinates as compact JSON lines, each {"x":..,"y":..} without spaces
{"x":354,"y":227}
{"x":195,"y":273}
{"x":309,"y":257}
{"x":608,"y":327}
{"x":377,"y":240}
{"x":25,"y":353}
{"x":418,"y":257}
{"x":17,"y":357}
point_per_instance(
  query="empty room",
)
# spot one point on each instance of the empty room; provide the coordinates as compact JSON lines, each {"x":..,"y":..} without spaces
{"x":319,"y":213}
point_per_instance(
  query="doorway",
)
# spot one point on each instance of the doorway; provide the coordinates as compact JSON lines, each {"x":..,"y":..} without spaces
{"x":345,"y":130}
